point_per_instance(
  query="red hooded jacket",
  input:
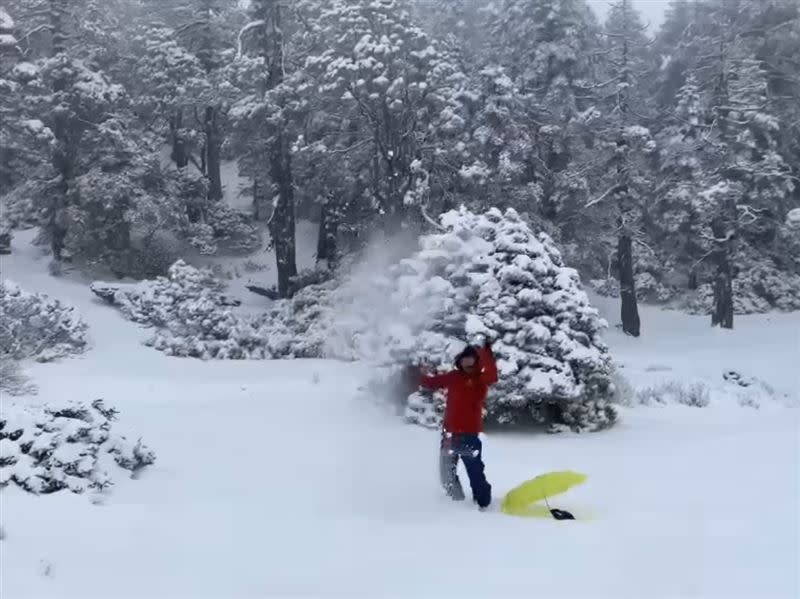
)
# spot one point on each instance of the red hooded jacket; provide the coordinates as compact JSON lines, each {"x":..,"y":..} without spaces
{"x":466,"y":393}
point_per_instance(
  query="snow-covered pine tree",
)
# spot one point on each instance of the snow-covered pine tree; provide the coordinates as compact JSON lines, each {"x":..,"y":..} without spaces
{"x":24,"y":141}
{"x":550,"y":51}
{"x":202,"y":29}
{"x":268,"y":121}
{"x":398,"y":87}
{"x":489,"y":275}
{"x":625,"y":144}
{"x":461,"y":29}
{"x":168,"y":81}
{"x":500,"y":148}
{"x":547,"y":48}
{"x":752,"y":188}
{"x":9,"y":150}
{"x":73,"y":106}
{"x":685,"y":157}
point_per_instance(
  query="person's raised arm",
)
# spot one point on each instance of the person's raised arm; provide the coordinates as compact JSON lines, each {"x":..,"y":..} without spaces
{"x":435,"y":381}
{"x":487,"y":364}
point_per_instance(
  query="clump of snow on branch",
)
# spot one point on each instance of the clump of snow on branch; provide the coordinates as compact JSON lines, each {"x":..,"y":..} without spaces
{"x":36,"y":326}
{"x":45,"y":449}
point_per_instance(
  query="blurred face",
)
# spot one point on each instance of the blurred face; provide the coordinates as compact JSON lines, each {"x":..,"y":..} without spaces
{"x":468,"y":363}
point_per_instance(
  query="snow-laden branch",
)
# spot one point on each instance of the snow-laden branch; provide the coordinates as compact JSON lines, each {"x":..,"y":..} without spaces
{"x":351,"y":148}
{"x":599,"y":199}
{"x":35,"y":31}
{"x":702,"y":258}
{"x":728,"y":237}
{"x":638,"y":241}
{"x":250,"y":26}
{"x":430,"y":220}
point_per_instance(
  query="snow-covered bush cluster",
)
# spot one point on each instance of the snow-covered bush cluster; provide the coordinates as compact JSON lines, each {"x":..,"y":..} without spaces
{"x":733,"y":388}
{"x":44,"y":449}
{"x":36,"y":326}
{"x":758,"y":288}
{"x":192,"y":317}
{"x":155,"y":303}
{"x":695,"y":394}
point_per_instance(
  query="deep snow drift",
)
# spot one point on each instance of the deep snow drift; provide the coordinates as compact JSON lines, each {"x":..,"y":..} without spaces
{"x":281,"y":479}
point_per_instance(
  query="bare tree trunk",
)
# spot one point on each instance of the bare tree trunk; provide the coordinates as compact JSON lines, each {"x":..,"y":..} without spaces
{"x":627,"y":286}
{"x":179,"y":154}
{"x":328,"y":232}
{"x":256,"y":200}
{"x":62,"y":158}
{"x":722,"y":314}
{"x":282,"y":223}
{"x":213,"y":155}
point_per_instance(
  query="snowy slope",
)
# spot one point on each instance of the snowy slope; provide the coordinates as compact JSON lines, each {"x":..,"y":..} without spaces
{"x":279,"y":479}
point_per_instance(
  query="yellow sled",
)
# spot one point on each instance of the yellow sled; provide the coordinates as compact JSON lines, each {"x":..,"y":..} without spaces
{"x":522,"y":500}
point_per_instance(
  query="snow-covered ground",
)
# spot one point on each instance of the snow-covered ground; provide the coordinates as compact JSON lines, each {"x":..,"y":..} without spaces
{"x":278,"y":479}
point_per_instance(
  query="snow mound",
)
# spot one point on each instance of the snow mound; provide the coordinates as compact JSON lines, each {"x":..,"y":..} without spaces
{"x":48,"y":449}
{"x":36,"y":326}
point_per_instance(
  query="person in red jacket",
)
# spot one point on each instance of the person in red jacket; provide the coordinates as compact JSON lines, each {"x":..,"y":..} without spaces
{"x":466,"y":387}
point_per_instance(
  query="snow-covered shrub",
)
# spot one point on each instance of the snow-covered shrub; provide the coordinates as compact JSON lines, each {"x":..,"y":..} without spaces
{"x":756,"y":290}
{"x":484,"y":275}
{"x":608,"y":287}
{"x":624,"y":393}
{"x":156,"y":303}
{"x":152,"y":257}
{"x":747,"y":391}
{"x":34,"y":325}
{"x":222,"y":226}
{"x":233,"y":228}
{"x":650,"y":290}
{"x":192,"y":317}
{"x":202,"y":329}
{"x":695,"y":394}
{"x":300,"y":327}
{"x":44,"y":449}
{"x":291,"y":328}
{"x":19,"y":208}
{"x":762,"y":287}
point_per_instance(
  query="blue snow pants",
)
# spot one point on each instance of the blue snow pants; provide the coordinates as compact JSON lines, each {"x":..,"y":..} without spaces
{"x":470,"y":449}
